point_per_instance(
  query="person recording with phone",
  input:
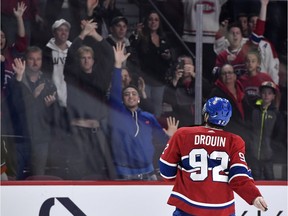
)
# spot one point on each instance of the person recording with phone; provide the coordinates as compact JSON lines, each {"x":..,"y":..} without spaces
{"x":181,"y":85}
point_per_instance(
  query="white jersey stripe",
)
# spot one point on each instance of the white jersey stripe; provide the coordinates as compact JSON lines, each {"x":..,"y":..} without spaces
{"x":200,"y":204}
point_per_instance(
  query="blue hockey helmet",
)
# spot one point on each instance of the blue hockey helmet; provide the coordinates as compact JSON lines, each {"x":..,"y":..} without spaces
{"x":219,"y":111}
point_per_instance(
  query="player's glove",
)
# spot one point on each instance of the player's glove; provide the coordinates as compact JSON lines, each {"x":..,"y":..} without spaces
{"x":260,"y":203}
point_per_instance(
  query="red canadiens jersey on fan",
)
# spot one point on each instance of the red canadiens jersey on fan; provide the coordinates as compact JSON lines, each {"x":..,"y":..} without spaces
{"x":208,"y":165}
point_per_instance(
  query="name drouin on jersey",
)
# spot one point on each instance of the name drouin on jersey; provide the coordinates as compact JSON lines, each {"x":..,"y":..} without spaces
{"x":210,"y":140}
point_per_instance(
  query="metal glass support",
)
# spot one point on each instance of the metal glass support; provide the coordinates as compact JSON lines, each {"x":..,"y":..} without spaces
{"x":198,"y":64}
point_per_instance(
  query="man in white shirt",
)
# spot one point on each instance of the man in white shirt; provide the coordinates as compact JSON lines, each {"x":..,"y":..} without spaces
{"x":211,"y":14}
{"x":54,"y":57}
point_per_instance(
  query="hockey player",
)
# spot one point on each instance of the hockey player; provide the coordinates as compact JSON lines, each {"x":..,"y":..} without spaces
{"x":208,"y":164}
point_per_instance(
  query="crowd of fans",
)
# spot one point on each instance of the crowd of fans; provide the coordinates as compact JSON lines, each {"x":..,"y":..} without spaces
{"x":84,"y":98}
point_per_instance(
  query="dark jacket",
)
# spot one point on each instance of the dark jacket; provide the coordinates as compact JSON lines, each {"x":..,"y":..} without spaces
{"x":86,"y":93}
{"x":268,"y":128}
{"x":47,"y":61}
{"x":240,"y":108}
{"x":182,"y":99}
{"x":30,"y":117}
{"x":86,"y":99}
{"x":102,"y":16}
{"x":153,"y":66}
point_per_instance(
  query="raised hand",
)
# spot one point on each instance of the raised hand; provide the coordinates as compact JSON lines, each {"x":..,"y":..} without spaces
{"x":189,"y":70}
{"x":265,"y":2}
{"x":224,"y":24}
{"x":263,"y":10}
{"x":21,"y":7}
{"x":172,"y":126}
{"x":38,"y":90}
{"x":178,"y":74}
{"x":19,"y":68}
{"x":50,"y":99}
{"x":231,"y":58}
{"x":106,"y":3}
{"x":141,"y":84}
{"x":91,"y":5}
{"x":119,"y":54}
{"x":88,"y":27}
{"x":141,"y":87}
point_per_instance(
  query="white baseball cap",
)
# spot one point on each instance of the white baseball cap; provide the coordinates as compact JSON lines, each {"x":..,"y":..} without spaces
{"x":60,"y":22}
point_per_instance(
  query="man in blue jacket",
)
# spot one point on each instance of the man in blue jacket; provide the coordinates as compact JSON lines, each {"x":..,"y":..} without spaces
{"x":133,"y":131}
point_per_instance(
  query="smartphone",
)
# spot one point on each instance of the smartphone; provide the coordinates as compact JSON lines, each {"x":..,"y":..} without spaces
{"x":181,"y":64}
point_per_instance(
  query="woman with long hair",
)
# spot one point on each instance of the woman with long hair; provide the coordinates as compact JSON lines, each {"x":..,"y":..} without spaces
{"x":154,"y":54}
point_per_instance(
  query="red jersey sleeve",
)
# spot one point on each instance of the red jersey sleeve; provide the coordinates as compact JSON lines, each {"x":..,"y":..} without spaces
{"x":240,"y":178}
{"x":21,"y":44}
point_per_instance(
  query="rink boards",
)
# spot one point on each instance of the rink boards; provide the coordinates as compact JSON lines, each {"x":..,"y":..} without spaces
{"x":91,"y":198}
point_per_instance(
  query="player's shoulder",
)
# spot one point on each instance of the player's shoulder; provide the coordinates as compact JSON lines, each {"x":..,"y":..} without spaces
{"x":223,"y":133}
{"x":233,"y":136}
{"x":189,"y":130}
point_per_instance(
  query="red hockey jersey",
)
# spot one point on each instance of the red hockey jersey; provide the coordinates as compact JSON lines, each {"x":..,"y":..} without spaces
{"x":251,"y":84}
{"x":208,"y":165}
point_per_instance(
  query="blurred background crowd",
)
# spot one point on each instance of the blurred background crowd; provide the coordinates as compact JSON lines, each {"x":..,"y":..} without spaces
{"x":69,"y":111}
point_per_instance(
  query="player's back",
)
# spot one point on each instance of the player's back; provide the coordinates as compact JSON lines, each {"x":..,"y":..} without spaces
{"x":204,"y":157}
